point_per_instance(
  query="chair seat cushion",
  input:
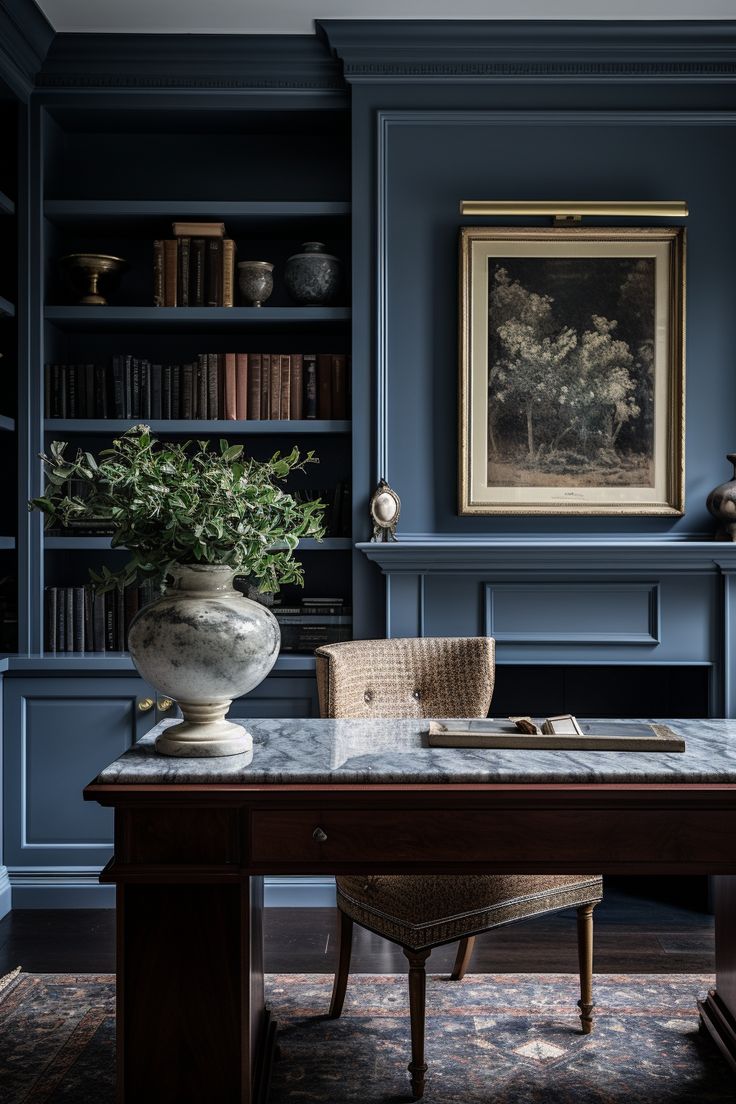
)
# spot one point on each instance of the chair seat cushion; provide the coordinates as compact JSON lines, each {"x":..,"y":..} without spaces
{"x":421,"y":911}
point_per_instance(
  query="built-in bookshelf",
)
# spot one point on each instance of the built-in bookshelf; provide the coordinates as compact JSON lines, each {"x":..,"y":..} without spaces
{"x":134,"y":174}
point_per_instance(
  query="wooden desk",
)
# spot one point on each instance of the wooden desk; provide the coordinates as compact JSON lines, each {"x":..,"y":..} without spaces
{"x":194,"y":837}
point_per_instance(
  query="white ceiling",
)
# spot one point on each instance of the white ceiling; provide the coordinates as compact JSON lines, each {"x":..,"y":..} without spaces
{"x":297,"y":16}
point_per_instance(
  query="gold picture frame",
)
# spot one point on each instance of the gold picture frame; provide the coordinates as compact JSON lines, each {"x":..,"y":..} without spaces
{"x":572,"y":350}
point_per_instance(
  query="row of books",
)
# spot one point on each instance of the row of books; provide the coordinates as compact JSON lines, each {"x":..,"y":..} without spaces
{"x":195,"y":268}
{"x":215,"y":386}
{"x":78,"y":620}
{"x":337,"y":515}
{"x":314,"y":622}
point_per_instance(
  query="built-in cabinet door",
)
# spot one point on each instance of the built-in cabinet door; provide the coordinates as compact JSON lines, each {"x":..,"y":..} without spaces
{"x":58,"y":734}
{"x":279,"y":697}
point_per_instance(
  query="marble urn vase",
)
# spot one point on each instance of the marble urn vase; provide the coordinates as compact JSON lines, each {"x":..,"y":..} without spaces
{"x":203,"y":643}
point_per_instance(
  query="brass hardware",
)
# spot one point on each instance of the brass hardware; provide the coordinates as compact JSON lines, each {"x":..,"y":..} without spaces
{"x":319,"y":836}
{"x":164,"y":704}
{"x":145,"y":704}
{"x":561,"y":208}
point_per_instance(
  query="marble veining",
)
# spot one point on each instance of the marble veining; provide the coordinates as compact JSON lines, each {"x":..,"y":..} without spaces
{"x":395,"y":751}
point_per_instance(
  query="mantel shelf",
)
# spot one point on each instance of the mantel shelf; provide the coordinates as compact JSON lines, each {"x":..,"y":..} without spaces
{"x":571,"y":556}
{"x":177,"y":427}
{"x":77,"y":544}
{"x":184,"y":319}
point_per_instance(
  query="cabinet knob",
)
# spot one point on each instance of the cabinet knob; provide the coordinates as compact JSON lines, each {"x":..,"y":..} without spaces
{"x":145,"y":704}
{"x":164,"y":704}
{"x":319,"y":835}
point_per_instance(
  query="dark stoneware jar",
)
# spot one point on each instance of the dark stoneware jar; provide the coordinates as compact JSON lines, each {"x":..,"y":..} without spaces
{"x":313,"y":277}
{"x":722,"y":504}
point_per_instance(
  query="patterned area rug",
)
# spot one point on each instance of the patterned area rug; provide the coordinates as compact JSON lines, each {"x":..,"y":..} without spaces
{"x":503,"y":1038}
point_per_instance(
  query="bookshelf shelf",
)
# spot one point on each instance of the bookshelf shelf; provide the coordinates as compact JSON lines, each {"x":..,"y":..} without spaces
{"x":7,"y":309}
{"x":239,"y":214}
{"x":107,"y":426}
{"x":7,"y":207}
{"x":7,"y":425}
{"x":7,"y":543}
{"x":78,"y":544}
{"x":213,"y":319}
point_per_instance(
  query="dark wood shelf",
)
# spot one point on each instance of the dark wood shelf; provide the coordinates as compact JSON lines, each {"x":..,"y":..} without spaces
{"x":7,"y":207}
{"x":239,"y":214}
{"x":7,"y":309}
{"x":244,"y":428}
{"x":149,"y":319}
{"x":307,"y":544}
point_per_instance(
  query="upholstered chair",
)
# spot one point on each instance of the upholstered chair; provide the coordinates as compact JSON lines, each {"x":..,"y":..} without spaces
{"x":436,"y":677}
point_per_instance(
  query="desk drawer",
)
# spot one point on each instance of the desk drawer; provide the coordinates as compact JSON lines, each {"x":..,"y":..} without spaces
{"x":502,"y":839}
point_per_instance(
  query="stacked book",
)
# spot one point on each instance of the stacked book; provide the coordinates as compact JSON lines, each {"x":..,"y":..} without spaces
{"x":194,"y":268}
{"x":78,"y":620}
{"x":314,"y":622}
{"x":215,"y":386}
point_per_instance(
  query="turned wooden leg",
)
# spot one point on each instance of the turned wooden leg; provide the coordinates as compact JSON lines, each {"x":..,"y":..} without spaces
{"x":464,"y":952}
{"x":417,"y":1007}
{"x":585,"y":958}
{"x":343,"y":966}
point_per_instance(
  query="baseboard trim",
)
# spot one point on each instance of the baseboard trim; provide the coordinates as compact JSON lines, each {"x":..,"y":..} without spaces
{"x":81,"y":891}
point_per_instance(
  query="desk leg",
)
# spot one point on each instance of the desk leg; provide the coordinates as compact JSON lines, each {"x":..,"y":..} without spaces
{"x":192,"y":1025}
{"x":718,"y":1010}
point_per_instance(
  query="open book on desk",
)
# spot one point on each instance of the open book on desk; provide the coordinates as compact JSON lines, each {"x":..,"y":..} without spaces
{"x":589,"y":736}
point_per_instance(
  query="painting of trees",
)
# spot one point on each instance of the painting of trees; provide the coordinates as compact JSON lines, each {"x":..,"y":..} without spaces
{"x":570,"y":371}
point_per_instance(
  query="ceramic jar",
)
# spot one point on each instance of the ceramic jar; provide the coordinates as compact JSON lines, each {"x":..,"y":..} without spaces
{"x":202,"y":643}
{"x":722,"y":504}
{"x":313,"y":277}
{"x":255,"y":280}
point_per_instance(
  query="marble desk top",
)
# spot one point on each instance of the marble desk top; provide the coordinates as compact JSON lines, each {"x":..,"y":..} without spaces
{"x":394,"y":752}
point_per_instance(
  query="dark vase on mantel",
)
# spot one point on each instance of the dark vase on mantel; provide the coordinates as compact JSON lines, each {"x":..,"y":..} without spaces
{"x":722,"y":504}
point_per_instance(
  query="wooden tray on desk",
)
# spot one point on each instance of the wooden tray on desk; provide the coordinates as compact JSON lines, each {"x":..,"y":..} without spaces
{"x":596,"y":736}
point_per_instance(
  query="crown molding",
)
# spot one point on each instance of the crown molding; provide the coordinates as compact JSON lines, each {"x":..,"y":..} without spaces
{"x":288,"y":63}
{"x":471,"y":51}
{"x":25,"y":36}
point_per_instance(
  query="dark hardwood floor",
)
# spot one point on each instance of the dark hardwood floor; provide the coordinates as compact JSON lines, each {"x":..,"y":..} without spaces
{"x":635,"y":932}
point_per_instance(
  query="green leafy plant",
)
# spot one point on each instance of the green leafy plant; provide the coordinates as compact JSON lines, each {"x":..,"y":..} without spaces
{"x":185,"y":504}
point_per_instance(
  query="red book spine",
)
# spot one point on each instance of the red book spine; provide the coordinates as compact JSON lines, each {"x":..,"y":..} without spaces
{"x":296,"y":403}
{"x":255,"y":369}
{"x":324,"y":386}
{"x":285,"y":411}
{"x":230,"y":387}
{"x":241,"y":386}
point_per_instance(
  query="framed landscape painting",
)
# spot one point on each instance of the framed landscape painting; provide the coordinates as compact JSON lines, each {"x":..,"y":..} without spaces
{"x":571,"y":371}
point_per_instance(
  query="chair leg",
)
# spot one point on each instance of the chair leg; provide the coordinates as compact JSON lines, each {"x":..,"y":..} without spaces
{"x":417,"y":1008}
{"x":343,"y":966}
{"x":585,"y":958}
{"x":464,"y":952}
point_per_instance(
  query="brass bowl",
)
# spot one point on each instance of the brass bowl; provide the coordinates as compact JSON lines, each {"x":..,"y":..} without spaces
{"x":84,"y":272}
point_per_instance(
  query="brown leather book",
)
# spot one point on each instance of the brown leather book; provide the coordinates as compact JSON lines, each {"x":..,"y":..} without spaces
{"x":339,"y":385}
{"x":184,"y":255}
{"x":296,"y":403}
{"x":200,"y":392}
{"x":213,"y":282}
{"x":231,"y":411}
{"x":158,"y":273}
{"x":310,"y":385}
{"x":265,"y":386}
{"x":198,"y":229}
{"x":255,"y":368}
{"x":324,"y":386}
{"x":196,"y":265}
{"x":275,"y":390}
{"x":171,"y":264}
{"x":241,"y":387}
{"x":228,"y":272}
{"x":285,"y":412}
{"x":214,"y":386}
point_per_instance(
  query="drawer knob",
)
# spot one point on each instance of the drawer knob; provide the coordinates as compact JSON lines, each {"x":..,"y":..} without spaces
{"x":319,"y":835}
{"x":145,"y":704}
{"x":164,"y":704}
